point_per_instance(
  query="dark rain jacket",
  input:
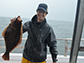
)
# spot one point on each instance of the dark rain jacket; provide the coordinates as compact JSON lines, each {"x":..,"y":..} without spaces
{"x":39,"y":36}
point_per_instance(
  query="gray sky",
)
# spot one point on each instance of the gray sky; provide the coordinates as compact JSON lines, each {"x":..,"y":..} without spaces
{"x":63,"y":10}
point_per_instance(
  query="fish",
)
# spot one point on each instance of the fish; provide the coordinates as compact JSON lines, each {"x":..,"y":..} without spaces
{"x":12,"y":35}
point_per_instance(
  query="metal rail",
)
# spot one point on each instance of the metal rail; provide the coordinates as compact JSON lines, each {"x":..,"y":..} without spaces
{"x":65,"y":39}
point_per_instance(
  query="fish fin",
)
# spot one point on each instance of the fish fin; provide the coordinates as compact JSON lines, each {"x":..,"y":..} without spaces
{"x":6,"y":56}
{"x":3,"y":33}
{"x":20,"y":40}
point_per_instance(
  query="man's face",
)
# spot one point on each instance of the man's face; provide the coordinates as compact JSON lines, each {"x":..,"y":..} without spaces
{"x":41,"y":14}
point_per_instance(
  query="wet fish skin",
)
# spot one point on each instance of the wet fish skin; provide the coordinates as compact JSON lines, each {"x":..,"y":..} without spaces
{"x":12,"y":37}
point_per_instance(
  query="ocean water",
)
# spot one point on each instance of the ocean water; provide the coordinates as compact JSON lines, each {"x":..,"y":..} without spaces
{"x":62,"y":29}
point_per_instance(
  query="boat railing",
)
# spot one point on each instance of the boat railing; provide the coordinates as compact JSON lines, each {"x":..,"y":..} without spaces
{"x":65,"y":40}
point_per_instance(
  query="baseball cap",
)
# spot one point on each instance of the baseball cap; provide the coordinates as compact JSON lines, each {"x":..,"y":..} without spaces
{"x":43,"y":6}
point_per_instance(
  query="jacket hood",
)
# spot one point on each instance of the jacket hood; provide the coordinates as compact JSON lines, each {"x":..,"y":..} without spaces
{"x":34,"y":20}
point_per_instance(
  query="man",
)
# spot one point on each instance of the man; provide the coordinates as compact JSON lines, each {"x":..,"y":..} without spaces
{"x":40,"y":34}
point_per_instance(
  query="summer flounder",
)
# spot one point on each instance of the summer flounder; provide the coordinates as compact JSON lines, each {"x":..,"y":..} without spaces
{"x":12,"y":35}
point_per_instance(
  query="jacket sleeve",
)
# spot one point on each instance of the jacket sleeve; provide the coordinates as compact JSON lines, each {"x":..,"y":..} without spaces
{"x":51,"y":41}
{"x":25,"y":27}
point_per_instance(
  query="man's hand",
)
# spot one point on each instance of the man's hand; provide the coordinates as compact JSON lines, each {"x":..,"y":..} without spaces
{"x":13,"y":19}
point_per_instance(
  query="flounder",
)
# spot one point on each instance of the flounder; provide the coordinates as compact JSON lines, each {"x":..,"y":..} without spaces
{"x":12,"y":35}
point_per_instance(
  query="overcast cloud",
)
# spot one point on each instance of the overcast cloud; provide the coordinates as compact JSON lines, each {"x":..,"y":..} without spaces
{"x":63,"y":10}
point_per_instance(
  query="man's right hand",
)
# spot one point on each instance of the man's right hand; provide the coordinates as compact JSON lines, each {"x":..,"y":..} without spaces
{"x":13,"y":19}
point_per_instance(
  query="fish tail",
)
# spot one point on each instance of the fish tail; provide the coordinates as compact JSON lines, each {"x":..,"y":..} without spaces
{"x":6,"y":56}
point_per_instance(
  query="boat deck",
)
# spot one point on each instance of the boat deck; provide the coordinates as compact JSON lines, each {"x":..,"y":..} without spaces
{"x":16,"y":58}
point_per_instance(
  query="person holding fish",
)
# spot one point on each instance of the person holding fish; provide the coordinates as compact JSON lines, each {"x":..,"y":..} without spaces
{"x":40,"y":34}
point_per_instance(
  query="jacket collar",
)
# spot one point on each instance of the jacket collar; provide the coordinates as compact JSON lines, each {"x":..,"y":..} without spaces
{"x":34,"y":20}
